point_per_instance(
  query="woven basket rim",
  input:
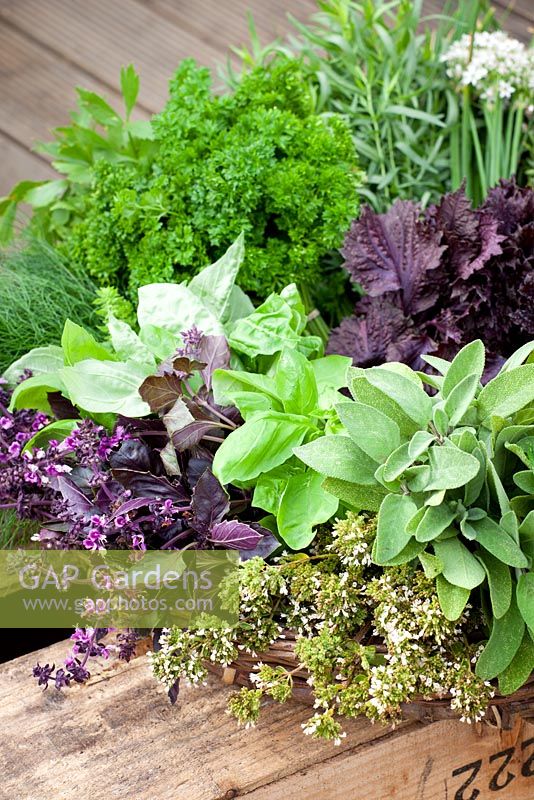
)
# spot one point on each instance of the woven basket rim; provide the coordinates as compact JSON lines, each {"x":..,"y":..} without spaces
{"x":282,"y":653}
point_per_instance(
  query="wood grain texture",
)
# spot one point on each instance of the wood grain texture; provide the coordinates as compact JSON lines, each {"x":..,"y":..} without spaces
{"x":118,"y":737}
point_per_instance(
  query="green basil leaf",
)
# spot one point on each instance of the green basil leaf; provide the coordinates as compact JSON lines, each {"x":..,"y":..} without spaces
{"x":331,"y":371}
{"x":39,"y":361}
{"x":450,"y":467}
{"x":160,"y":342}
{"x":460,"y":567}
{"x":295,"y":383}
{"x":504,"y":642}
{"x":270,"y":487}
{"x":507,"y":393}
{"x":356,"y":496}
{"x":520,"y":668}
{"x":304,"y":504}
{"x":266,"y":331}
{"x":374,"y":432}
{"x":262,"y":443}
{"x":468,"y":362}
{"x":33,"y":392}
{"x":525,"y":597}
{"x":395,"y":513}
{"x":338,"y":457}
{"x":499,"y":583}
{"x":127,"y":344}
{"x":227,"y":382}
{"x":59,"y":430}
{"x":79,"y":345}
{"x":250,"y":403}
{"x":176,"y":308}
{"x":107,"y":386}
{"x":452,"y":599}
{"x":214,"y":284}
{"x":496,"y":541}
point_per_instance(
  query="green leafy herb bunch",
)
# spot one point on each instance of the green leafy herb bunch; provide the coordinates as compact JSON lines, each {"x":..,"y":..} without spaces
{"x":452,"y":479}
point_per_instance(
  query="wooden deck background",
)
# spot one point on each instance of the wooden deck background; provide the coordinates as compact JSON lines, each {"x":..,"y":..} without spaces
{"x":47,"y":47}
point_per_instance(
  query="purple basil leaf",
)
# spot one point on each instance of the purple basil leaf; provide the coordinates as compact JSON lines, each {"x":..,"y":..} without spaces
{"x":393,"y":252}
{"x":196,"y":466}
{"x":61,"y":407}
{"x":209,"y":503}
{"x":77,"y":502}
{"x":235,"y":535}
{"x":161,"y":391}
{"x":132,"y":505}
{"x":192,"y":434}
{"x":266,"y":546}
{"x":132,"y":455}
{"x":214,"y":351}
{"x":144,"y":484}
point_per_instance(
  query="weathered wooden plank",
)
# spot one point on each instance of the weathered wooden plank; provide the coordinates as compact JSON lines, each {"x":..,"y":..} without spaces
{"x":17,"y":161}
{"x":118,"y":737}
{"x":100,"y":37}
{"x":38,"y":90}
{"x":227,"y":23}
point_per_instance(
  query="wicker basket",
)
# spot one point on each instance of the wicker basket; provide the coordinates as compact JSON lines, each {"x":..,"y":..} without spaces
{"x":501,"y":712}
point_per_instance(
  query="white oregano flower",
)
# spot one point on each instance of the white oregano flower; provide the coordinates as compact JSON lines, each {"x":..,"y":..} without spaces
{"x":494,"y":64}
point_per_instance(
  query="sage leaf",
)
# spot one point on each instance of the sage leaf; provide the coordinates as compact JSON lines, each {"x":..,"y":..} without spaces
{"x":435,"y":520}
{"x":364,"y":392}
{"x":507,"y":393}
{"x":419,"y":444}
{"x":520,"y":668}
{"x":356,"y":496}
{"x":452,"y":599}
{"x":461,"y":398}
{"x":525,"y":597}
{"x":504,"y":642}
{"x":496,"y":541}
{"x":395,"y":513}
{"x":469,"y":361}
{"x":432,"y":565}
{"x":338,"y":457}
{"x":499,"y":583}
{"x":374,"y":432}
{"x":407,"y":394}
{"x":460,"y":567}
{"x":450,"y":468}
{"x":397,"y":463}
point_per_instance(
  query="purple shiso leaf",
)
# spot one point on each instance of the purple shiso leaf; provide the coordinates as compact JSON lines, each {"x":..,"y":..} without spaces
{"x":392,"y":252}
{"x":235,"y":535}
{"x":209,"y":503}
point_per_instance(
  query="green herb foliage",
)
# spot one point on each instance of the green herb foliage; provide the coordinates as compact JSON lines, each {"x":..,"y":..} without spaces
{"x":156,"y":210}
{"x":378,"y":64}
{"x":38,"y":291}
{"x":97,"y":133}
{"x":288,"y":405}
{"x":447,"y":476}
